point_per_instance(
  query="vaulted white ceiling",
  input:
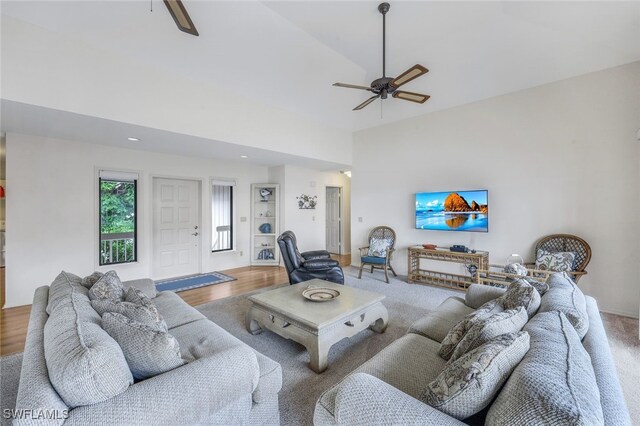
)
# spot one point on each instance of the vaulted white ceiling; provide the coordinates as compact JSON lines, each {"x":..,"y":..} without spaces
{"x":287,"y":54}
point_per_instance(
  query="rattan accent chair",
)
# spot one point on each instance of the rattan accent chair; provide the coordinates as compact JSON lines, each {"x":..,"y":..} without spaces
{"x":563,"y":243}
{"x":377,"y":262}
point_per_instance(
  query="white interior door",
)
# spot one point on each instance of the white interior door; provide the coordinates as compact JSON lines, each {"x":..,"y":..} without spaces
{"x":176,"y":227}
{"x":333,"y":220}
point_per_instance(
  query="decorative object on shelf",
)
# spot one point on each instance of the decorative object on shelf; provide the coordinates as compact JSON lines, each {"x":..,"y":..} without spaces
{"x":265,"y":228}
{"x":265,"y":193}
{"x":307,"y":201}
{"x":320,"y":294}
{"x":266,"y":254}
{"x":429,"y":246}
{"x":515,"y":265}
{"x":265,"y":222}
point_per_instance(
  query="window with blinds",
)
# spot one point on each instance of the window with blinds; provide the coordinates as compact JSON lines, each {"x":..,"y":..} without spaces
{"x":222,"y":215}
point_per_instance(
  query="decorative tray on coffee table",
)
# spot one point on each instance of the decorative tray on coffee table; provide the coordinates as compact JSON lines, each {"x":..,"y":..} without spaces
{"x":320,"y":294}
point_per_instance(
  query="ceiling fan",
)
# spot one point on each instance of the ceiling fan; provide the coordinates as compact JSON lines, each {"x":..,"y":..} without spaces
{"x":181,"y":17}
{"x":384,"y":85}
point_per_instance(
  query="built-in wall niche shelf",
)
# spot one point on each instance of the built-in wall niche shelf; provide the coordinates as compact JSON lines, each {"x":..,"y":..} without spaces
{"x":265,"y":220}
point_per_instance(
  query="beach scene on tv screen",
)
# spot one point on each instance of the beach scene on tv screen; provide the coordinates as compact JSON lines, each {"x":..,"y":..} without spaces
{"x":453,"y":211}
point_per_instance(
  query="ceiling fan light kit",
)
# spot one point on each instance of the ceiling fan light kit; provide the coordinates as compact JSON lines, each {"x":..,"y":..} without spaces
{"x":384,"y":85}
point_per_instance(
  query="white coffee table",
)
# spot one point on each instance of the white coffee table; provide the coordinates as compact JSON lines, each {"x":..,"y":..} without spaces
{"x":316,"y":325}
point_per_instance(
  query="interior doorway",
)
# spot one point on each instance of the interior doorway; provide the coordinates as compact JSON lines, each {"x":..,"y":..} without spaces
{"x":334,"y":220}
{"x":176,"y":227}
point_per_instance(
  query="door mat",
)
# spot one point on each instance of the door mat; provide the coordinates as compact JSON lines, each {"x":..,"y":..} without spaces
{"x":193,"y":281}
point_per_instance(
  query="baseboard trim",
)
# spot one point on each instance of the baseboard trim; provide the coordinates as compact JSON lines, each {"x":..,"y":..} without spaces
{"x":622,"y":314}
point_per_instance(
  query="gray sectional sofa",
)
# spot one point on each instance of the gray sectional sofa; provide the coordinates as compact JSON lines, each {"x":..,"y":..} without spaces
{"x":562,"y":378}
{"x":223,"y":381}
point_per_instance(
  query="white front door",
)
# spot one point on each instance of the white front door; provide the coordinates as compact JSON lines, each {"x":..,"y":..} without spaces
{"x":333,"y":220}
{"x":176,"y":227}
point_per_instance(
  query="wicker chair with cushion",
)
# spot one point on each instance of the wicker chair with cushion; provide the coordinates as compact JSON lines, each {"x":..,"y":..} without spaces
{"x":564,"y":243}
{"x":379,"y":252}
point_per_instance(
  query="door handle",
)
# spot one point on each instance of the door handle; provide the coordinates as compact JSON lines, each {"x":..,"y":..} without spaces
{"x":195,"y":234}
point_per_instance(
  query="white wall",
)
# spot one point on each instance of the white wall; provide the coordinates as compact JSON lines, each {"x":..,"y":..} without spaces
{"x":559,"y":158}
{"x":45,"y":68}
{"x":310,"y":225}
{"x":52,"y":209}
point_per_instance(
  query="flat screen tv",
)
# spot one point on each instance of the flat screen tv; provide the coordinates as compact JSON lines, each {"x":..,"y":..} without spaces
{"x":453,"y":211}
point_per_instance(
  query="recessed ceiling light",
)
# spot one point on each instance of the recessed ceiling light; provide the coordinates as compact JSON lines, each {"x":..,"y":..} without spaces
{"x":133,"y":139}
{"x":243,"y":156}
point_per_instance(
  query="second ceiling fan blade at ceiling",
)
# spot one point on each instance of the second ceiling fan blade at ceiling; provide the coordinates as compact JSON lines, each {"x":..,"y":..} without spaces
{"x":410,"y":74}
{"x":352,"y":86}
{"x":411,"y":96}
{"x":367,"y":102}
{"x":181,"y":17}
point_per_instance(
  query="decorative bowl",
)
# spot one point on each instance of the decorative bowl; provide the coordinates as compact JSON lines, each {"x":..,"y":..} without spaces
{"x":429,"y":246}
{"x":320,"y":294}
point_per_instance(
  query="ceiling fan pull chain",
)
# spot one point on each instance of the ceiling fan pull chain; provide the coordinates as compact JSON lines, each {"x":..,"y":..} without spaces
{"x":151,"y":4}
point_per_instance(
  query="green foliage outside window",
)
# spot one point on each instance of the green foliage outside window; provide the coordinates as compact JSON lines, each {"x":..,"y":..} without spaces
{"x":117,"y":216}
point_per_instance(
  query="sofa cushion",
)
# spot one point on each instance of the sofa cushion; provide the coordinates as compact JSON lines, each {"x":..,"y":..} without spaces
{"x":521,"y":293}
{"x":470,"y":383}
{"x":487,"y":329}
{"x":565,"y":296}
{"x":61,"y":288}
{"x":203,"y":338}
{"x":436,"y":324}
{"x":148,"y":351}
{"x":90,"y":280}
{"x":458,"y":331}
{"x":554,"y":383}
{"x":479,"y":294}
{"x":130,"y":310}
{"x":555,"y":261}
{"x":174,"y":310}
{"x":409,"y":364}
{"x":108,"y":286}
{"x":85,"y":364}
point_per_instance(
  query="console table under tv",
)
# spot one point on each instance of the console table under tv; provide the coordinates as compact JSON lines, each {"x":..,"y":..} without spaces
{"x":479,"y":259}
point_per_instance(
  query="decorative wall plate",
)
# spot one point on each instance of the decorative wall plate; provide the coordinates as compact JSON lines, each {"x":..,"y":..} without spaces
{"x":320,"y":294}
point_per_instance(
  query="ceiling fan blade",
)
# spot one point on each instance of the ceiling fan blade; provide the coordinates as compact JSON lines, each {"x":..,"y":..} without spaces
{"x":367,"y":102}
{"x":352,"y":86}
{"x":410,"y":74}
{"x":181,"y":17}
{"x":410,"y":96}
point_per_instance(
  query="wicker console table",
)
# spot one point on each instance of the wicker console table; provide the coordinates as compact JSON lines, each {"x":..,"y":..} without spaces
{"x":479,"y":259}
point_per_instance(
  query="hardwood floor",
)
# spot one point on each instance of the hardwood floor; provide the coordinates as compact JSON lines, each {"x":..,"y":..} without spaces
{"x":14,"y":321}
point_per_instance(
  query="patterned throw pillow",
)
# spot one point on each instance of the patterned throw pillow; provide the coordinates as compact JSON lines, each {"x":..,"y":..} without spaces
{"x":538,"y":285}
{"x":132,"y":311}
{"x":379,"y":247}
{"x":469,"y":384}
{"x":148,"y":352}
{"x":107,"y":287}
{"x":458,"y":331}
{"x":558,"y":262}
{"x":487,"y":329}
{"x":137,"y":297}
{"x":521,"y":293}
{"x":90,"y":280}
